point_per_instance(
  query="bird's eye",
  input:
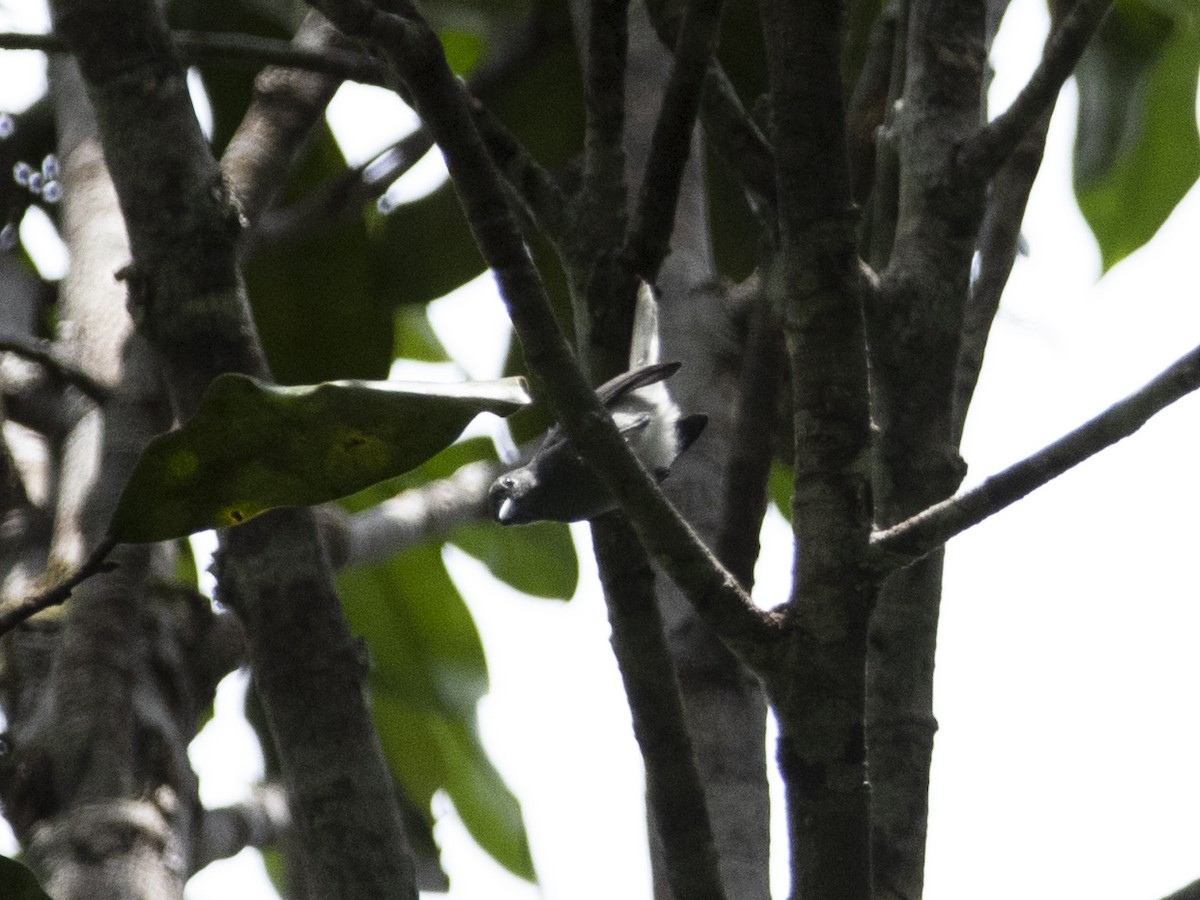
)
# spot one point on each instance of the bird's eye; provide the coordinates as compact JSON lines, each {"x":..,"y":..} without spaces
{"x":508,"y":481}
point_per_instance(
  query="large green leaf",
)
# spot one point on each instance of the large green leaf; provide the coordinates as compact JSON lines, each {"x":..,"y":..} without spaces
{"x":18,"y":883}
{"x":320,"y":314}
{"x":428,"y":672}
{"x":253,"y":446}
{"x":1137,"y":151}
{"x":422,"y":250}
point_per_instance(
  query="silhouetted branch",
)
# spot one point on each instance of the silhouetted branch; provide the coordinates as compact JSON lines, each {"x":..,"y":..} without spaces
{"x":43,"y":353}
{"x":257,"y":822}
{"x":244,"y":50}
{"x":654,"y":217}
{"x":727,"y":124}
{"x":927,"y":530}
{"x":984,"y":153}
{"x":20,"y":609}
{"x":1191,"y":892}
{"x":674,"y":791}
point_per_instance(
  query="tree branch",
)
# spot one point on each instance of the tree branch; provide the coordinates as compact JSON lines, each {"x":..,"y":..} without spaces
{"x":603,"y":193}
{"x":999,"y":239}
{"x":745,"y":502}
{"x":428,"y":512}
{"x":186,"y":290}
{"x":540,"y":197}
{"x":415,"y":51}
{"x":675,"y":794}
{"x":926,"y":531}
{"x":43,"y":353}
{"x":1190,"y":892}
{"x":345,"y":194}
{"x":654,"y":217}
{"x":727,"y":124}
{"x":984,"y":153}
{"x":245,"y":50}
{"x":21,"y":609}
{"x":286,"y":105}
{"x":258,"y":822}
{"x":818,"y":688}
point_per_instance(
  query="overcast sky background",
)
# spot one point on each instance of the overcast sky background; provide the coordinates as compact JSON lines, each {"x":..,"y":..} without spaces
{"x":1067,"y":664}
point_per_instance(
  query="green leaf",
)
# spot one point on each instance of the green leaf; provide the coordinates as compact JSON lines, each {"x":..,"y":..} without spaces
{"x":18,"y":883}
{"x":422,"y":250}
{"x":428,"y":673}
{"x":781,"y":485}
{"x":1137,"y":150}
{"x":464,"y":50}
{"x":537,"y":559}
{"x":252,"y":446}
{"x":318,"y":310}
{"x":415,"y":338}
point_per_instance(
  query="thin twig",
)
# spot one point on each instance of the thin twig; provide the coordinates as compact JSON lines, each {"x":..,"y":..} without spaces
{"x":345,"y":194}
{"x":43,"y":353}
{"x":728,"y":126}
{"x":258,"y":822}
{"x":999,"y":240}
{"x":984,"y":153}
{"x":541,"y":199}
{"x":286,"y":105}
{"x":927,"y":530}
{"x":245,"y":50}
{"x":603,"y":190}
{"x":21,"y":609}
{"x":674,"y":790}
{"x":654,"y":217}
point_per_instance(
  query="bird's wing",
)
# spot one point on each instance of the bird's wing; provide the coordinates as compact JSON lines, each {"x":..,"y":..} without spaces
{"x":627,"y":382}
{"x":645,"y":347}
{"x":629,"y":423}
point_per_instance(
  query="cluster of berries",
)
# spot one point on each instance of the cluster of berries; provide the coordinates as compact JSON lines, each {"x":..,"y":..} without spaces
{"x":43,"y":182}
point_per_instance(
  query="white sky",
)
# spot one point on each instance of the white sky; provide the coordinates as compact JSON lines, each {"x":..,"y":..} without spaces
{"x":1067,"y":671}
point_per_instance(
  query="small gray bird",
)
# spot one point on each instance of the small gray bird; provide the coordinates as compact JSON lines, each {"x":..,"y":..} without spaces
{"x":557,"y":484}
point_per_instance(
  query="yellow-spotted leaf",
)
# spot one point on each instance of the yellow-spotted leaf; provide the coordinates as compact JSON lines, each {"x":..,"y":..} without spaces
{"x":253,"y":446}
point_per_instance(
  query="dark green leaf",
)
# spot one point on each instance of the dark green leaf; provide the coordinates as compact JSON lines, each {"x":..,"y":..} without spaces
{"x":1137,"y":151}
{"x":536,"y":559}
{"x":415,"y":338}
{"x":252,"y":446}
{"x":185,"y":564}
{"x":781,"y":487}
{"x":428,"y":673}
{"x":463,"y":49}
{"x":424,"y":645}
{"x":319,"y":313}
{"x":443,"y":465}
{"x":422,"y":250}
{"x":18,"y":883}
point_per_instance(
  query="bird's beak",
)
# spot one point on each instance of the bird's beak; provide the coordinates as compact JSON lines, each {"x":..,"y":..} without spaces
{"x":506,"y":513}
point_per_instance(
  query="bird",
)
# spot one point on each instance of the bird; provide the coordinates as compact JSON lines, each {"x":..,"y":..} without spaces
{"x":557,"y":485}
